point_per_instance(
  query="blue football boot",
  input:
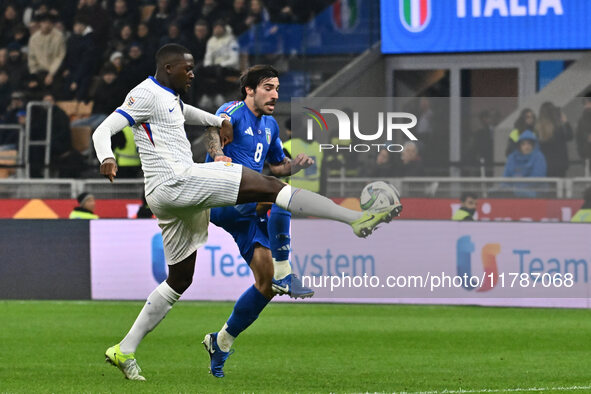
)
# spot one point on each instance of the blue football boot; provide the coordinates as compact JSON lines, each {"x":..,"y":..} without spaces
{"x":292,"y":286}
{"x":216,"y":356}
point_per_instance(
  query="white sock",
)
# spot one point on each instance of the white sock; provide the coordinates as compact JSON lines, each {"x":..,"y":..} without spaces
{"x":159,"y":302}
{"x":282,"y":269}
{"x":307,"y":203}
{"x":225,"y":340}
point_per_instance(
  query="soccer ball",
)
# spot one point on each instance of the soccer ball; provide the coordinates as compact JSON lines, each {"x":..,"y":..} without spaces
{"x":380,"y":197}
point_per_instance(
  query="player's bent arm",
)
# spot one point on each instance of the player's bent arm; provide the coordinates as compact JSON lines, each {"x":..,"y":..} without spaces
{"x":196,"y":116}
{"x":102,"y":135}
{"x":282,"y":168}
{"x":289,"y":167}
{"x":213,"y":143}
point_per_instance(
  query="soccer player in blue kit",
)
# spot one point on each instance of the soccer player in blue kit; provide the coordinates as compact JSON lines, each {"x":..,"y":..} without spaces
{"x":255,"y":140}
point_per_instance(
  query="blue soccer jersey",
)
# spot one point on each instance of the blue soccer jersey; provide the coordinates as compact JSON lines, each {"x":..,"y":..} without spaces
{"x":255,"y":139}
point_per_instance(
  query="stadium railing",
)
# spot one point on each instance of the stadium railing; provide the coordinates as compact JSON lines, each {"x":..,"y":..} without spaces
{"x":337,"y":187}
{"x":446,"y":187}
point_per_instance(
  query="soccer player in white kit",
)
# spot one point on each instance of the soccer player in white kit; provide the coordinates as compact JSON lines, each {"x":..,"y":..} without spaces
{"x":180,"y":192}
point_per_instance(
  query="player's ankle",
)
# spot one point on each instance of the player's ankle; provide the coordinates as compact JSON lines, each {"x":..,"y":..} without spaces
{"x":282,"y":269}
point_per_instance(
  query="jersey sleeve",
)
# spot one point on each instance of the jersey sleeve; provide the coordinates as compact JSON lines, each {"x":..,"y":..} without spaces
{"x":275,"y":154}
{"x":138,"y":106}
{"x":225,"y":109}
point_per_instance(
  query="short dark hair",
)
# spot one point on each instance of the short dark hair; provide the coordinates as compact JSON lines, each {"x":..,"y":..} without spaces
{"x":252,"y":77}
{"x":587,"y":96}
{"x":169,"y":50}
{"x":467,"y":195}
{"x":202,"y":22}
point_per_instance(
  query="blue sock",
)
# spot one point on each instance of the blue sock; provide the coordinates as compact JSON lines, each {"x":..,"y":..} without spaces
{"x":246,"y":311}
{"x":278,"y":228}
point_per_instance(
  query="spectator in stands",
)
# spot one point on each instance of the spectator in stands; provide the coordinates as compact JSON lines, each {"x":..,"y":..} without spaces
{"x":483,"y":142}
{"x":5,"y":91}
{"x":137,"y":68}
{"x":121,"y":16}
{"x":47,"y":49}
{"x":147,"y":41}
{"x":67,"y":162}
{"x":384,"y":165}
{"x":554,"y":132}
{"x":160,"y":19}
{"x":173,"y":36}
{"x":262,"y":32}
{"x":525,"y":121}
{"x":21,"y":36}
{"x":123,"y":40}
{"x":527,"y":160}
{"x":185,"y":17}
{"x":211,"y":11}
{"x":220,"y":64}
{"x":116,"y":60}
{"x":584,"y":132}
{"x":16,"y":66}
{"x":412,"y":164}
{"x":8,"y":22}
{"x":467,"y":210}
{"x":108,"y":95}
{"x":91,"y":10}
{"x":584,"y":214}
{"x":85,"y":208}
{"x":237,"y":17}
{"x":198,"y":44}
{"x":18,"y":101}
{"x":281,"y":11}
{"x":79,"y":64}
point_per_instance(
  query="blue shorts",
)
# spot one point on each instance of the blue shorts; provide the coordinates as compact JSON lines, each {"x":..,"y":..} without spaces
{"x":242,"y":222}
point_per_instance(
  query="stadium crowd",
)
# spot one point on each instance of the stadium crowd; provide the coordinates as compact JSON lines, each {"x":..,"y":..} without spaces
{"x":86,"y":54}
{"x":91,"y":51}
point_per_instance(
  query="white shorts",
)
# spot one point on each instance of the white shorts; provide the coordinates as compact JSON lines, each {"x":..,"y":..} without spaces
{"x":182,"y":205}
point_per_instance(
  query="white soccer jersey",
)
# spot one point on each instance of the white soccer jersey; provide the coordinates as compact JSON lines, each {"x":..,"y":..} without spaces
{"x":157,"y":116}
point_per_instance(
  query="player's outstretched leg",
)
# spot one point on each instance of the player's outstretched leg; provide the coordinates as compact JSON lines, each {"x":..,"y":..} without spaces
{"x":246,"y":311}
{"x":159,"y":302}
{"x":284,"y":280}
{"x":259,"y":188}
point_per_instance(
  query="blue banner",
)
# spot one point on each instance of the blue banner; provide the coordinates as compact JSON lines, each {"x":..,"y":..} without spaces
{"x":347,"y":26}
{"x":435,"y":26}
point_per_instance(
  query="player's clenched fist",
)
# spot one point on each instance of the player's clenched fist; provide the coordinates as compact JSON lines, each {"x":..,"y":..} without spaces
{"x":109,"y":168}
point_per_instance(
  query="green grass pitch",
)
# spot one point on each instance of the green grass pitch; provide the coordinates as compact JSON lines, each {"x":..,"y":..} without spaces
{"x":59,"y":347}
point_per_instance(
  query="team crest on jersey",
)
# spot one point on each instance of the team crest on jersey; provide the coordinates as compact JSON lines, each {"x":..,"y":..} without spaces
{"x":415,"y":15}
{"x":268,"y":134}
{"x":130,"y":101}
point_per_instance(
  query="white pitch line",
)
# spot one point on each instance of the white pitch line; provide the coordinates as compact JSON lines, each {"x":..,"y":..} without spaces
{"x":515,"y":390}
